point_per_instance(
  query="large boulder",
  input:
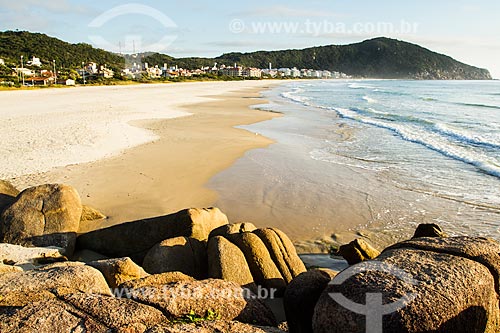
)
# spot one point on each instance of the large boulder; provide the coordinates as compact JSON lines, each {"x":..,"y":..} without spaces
{"x":22,"y":288}
{"x":119,"y":270}
{"x":222,"y":299}
{"x":233,"y":228}
{"x":156,"y":280}
{"x":217,"y":326}
{"x":45,"y":215}
{"x":227,"y":262}
{"x":134,"y":239}
{"x":282,"y":252}
{"x":357,"y":251}
{"x":301,"y":296}
{"x":441,"y":284}
{"x":8,"y":194}
{"x":180,"y":254}
{"x":29,"y":257}
{"x":262,"y":266}
{"x":82,"y":313}
{"x":429,"y":230}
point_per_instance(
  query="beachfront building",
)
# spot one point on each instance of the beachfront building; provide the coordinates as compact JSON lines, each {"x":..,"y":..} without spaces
{"x":295,"y":72}
{"x":285,"y":71}
{"x":34,"y":62}
{"x":24,"y":71}
{"x":251,"y":72}
{"x":231,"y":71}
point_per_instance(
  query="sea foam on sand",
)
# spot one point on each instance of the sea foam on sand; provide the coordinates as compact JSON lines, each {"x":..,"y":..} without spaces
{"x":43,"y":129}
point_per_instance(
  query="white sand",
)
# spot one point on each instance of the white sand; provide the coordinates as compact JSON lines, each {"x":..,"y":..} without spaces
{"x":48,"y":128}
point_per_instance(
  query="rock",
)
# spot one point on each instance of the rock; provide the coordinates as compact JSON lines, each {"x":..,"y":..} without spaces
{"x":9,"y":269}
{"x":116,"y":313}
{"x":429,"y":230}
{"x":91,"y":214}
{"x":226,"y":300}
{"x":45,"y":215}
{"x":233,"y":228}
{"x":29,"y":257}
{"x":180,"y":254}
{"x":357,"y":251}
{"x":8,"y":194}
{"x":134,"y":239}
{"x":262,"y":266}
{"x":8,"y":189}
{"x":52,"y":316}
{"x":156,"y":280}
{"x":87,"y":256}
{"x":227,"y":262}
{"x":448,"y":292}
{"x":218,"y":326}
{"x":301,"y":296}
{"x":20,"y":289}
{"x":282,"y":252}
{"x":119,"y":270}
{"x":82,"y":313}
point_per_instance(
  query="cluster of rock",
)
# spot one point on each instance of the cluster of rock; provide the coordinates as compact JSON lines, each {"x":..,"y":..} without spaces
{"x":431,"y":283}
{"x":192,"y":271}
{"x":154,"y":275}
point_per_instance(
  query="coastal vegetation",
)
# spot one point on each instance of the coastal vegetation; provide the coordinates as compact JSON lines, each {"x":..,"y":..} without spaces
{"x":375,"y":58}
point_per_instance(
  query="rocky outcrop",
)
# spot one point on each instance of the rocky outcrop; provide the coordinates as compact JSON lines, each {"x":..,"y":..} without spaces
{"x":301,"y":296}
{"x":82,"y":313}
{"x":233,"y":228}
{"x":91,"y":214}
{"x":45,"y":215}
{"x":282,"y":252}
{"x":119,"y":270}
{"x":218,"y":326}
{"x":8,"y":194}
{"x":357,"y":251}
{"x":227,"y":262}
{"x":29,"y":257}
{"x":264,"y":270}
{"x":20,"y":289}
{"x":134,"y":239}
{"x":225,"y":300}
{"x":429,"y":230}
{"x":449,"y":284}
{"x":182,"y":254}
{"x":156,"y":280}
{"x":9,"y":269}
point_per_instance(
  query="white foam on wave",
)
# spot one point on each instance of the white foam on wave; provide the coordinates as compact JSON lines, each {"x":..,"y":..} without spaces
{"x":293,"y":96}
{"x":431,"y":140}
{"x":370,"y":99}
{"x":469,"y":137}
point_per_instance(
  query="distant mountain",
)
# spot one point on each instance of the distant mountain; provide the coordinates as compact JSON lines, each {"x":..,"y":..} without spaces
{"x":13,"y":44}
{"x":375,"y":58}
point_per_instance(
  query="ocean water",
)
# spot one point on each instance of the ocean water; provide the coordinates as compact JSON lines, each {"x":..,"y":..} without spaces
{"x":377,"y":155}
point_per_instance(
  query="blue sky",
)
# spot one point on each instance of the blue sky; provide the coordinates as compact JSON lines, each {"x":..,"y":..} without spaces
{"x":465,"y":30}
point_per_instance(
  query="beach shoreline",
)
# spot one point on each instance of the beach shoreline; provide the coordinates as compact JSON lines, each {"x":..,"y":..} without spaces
{"x":168,"y":173}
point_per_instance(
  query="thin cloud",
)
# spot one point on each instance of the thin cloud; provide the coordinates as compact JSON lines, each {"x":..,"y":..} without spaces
{"x":284,"y":11}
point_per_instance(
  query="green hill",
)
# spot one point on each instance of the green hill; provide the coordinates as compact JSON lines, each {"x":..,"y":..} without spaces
{"x":13,"y":44}
{"x":375,"y":58}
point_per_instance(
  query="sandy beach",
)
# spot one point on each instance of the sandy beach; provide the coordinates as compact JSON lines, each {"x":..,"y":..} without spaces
{"x":132,"y":151}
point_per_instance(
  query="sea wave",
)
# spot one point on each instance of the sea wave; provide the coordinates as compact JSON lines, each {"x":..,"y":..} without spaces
{"x":292,"y":95}
{"x":433,"y":141}
{"x":369,"y":99}
{"x":467,"y":137}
